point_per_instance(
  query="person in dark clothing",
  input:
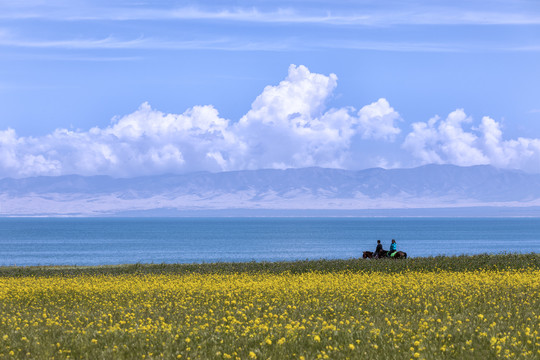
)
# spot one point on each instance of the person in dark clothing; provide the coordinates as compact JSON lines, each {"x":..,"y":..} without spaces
{"x":393,"y":248}
{"x":378,"y":250}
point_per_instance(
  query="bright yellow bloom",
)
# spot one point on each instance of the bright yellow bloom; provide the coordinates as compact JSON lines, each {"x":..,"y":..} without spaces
{"x":466,"y":313}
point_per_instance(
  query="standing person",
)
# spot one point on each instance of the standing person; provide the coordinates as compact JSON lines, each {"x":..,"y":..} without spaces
{"x":393,"y":248}
{"x":378,"y":250}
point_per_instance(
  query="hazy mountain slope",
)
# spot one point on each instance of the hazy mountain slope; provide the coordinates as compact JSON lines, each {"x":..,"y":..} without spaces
{"x":309,"y":188}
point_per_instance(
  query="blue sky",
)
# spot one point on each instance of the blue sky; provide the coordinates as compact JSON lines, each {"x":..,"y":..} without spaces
{"x":129,"y":88}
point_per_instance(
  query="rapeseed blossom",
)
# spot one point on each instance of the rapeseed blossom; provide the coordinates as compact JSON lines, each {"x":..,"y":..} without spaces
{"x":336,"y":315}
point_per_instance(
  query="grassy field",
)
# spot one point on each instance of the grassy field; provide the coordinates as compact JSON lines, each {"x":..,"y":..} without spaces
{"x":485,"y":306}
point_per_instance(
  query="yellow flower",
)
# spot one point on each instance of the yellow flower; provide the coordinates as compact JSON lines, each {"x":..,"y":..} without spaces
{"x":252,"y":355}
{"x":165,"y":312}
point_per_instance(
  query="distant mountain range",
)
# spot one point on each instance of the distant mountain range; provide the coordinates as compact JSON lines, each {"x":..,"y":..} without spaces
{"x":310,"y":191}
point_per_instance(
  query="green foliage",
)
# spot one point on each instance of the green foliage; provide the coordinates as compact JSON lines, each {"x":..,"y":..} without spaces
{"x":437,"y":263}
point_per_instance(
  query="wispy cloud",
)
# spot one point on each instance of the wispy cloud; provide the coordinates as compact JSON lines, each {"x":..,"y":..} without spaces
{"x":104,"y":43}
{"x":231,"y":43}
{"x":81,"y":58}
{"x":312,"y":27}
{"x":381,"y":16}
{"x":396,"y":46}
{"x":145,"y":43}
{"x":443,"y":16}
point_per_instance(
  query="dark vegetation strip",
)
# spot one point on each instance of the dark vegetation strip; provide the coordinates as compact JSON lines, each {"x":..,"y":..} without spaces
{"x":437,"y":263}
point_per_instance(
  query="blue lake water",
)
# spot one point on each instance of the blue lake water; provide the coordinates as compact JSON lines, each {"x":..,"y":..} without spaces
{"x":98,"y":241}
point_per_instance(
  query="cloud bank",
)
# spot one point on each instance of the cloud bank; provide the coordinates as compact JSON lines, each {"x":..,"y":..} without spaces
{"x":447,"y":142}
{"x":289,"y":125}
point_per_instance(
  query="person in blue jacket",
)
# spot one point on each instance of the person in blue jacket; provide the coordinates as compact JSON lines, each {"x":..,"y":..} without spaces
{"x":393,"y":248}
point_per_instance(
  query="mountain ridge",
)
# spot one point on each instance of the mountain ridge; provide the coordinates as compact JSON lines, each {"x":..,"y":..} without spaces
{"x":428,"y":186}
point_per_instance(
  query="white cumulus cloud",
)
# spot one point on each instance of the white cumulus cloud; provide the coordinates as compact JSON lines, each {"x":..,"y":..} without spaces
{"x":452,"y":141}
{"x":288,"y":125}
{"x":377,"y":121}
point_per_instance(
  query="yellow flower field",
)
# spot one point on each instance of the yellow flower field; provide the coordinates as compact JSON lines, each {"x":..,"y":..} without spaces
{"x":335,"y":315}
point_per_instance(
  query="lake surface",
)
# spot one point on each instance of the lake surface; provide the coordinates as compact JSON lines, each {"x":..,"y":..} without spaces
{"x":99,"y":241}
